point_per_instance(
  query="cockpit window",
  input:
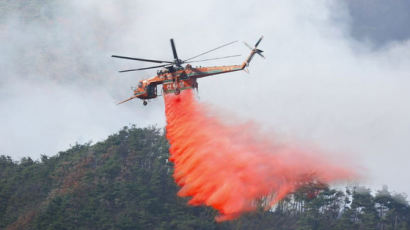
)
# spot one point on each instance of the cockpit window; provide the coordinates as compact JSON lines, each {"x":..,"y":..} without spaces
{"x":140,"y":84}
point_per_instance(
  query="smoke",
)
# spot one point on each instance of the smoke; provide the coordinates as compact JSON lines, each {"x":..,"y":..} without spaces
{"x":230,"y":167}
{"x":318,"y":83}
{"x":58,"y":84}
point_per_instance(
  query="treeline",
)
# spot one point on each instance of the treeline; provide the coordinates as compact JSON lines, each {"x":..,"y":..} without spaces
{"x":125,"y":182}
{"x":316,"y":206}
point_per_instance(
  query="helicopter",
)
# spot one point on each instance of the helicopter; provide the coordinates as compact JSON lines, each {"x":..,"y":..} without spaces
{"x":175,"y":77}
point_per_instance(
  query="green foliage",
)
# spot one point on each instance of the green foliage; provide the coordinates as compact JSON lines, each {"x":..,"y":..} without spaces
{"x":125,"y":182}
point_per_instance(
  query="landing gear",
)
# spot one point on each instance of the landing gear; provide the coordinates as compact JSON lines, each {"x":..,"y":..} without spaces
{"x":145,"y":103}
{"x":196,"y":90}
{"x":177,"y":91}
{"x":195,"y":86}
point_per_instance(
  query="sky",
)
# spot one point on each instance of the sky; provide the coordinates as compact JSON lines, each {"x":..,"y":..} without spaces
{"x":336,"y":73}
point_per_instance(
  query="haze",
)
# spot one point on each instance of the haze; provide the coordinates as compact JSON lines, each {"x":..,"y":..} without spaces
{"x":336,"y":74}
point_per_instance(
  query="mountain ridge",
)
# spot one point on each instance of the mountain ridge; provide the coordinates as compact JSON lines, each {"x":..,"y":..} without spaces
{"x":125,"y":182}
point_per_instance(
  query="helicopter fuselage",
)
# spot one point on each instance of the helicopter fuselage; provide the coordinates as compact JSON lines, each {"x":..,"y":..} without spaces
{"x":179,"y":80}
{"x":175,"y":78}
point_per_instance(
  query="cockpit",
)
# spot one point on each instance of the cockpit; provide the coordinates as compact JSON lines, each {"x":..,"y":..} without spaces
{"x":140,"y":84}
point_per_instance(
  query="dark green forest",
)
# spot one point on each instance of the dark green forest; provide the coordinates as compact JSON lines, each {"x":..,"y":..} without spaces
{"x":125,"y":182}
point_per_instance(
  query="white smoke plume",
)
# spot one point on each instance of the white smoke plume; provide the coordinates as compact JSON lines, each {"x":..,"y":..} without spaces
{"x":318,"y":84}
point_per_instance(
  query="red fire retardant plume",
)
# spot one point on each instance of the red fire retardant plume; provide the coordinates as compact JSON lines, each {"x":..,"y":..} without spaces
{"x":231,"y":168}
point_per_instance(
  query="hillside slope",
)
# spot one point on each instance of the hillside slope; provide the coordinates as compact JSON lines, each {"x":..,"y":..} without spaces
{"x":125,"y":182}
{"x":122,"y":183}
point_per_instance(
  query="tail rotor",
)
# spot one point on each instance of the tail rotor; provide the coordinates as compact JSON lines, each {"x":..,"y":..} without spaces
{"x":258,"y":51}
{"x":259,"y":41}
{"x":254,"y":50}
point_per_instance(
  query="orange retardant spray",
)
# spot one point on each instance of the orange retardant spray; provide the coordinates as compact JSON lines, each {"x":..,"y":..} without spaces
{"x":230,"y":166}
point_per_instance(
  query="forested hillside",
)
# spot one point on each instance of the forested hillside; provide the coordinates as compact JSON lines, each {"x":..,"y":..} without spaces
{"x":125,"y":182}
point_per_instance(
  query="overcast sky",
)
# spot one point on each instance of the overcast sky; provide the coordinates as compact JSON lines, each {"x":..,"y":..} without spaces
{"x":336,"y":74}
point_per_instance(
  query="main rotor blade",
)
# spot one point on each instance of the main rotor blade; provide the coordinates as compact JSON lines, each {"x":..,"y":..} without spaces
{"x":257,"y":43}
{"x":174,"y":51}
{"x":210,"y":59}
{"x":152,"y":67}
{"x":210,"y":51}
{"x":141,"y":59}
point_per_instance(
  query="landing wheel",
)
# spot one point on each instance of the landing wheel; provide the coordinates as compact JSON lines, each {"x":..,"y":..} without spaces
{"x":177,"y":91}
{"x":145,"y":103}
